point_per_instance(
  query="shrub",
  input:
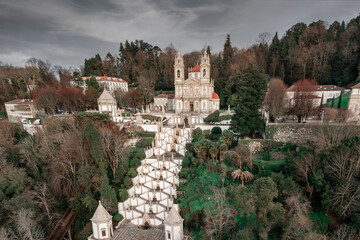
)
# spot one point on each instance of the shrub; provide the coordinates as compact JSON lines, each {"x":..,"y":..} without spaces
{"x":131,"y":173}
{"x":117,"y":217}
{"x":189,"y":147}
{"x":127,"y":182}
{"x":151,"y":118}
{"x":212,"y":117}
{"x":98,"y":117}
{"x":144,"y":142}
{"x":267,"y":156}
{"x":146,"y":134}
{"x":123,"y":195}
{"x":216,"y":130}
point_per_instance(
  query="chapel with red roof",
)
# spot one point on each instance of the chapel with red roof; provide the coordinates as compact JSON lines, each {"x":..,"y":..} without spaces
{"x":196,"y":93}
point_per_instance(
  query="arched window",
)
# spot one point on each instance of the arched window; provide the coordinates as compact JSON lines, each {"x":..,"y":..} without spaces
{"x":204,"y":72}
{"x":178,"y":73}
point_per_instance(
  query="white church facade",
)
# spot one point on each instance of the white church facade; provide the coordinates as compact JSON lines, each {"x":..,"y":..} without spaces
{"x":196,"y":93}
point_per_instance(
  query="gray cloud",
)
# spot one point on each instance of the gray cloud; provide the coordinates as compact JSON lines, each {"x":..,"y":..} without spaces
{"x":66,"y":32}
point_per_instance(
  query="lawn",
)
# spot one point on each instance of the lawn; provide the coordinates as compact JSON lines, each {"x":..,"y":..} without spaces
{"x":344,"y":101}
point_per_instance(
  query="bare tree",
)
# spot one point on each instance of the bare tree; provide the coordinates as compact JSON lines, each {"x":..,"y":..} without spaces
{"x":147,"y":84}
{"x":303,"y":102}
{"x":114,"y":147}
{"x":220,"y":216}
{"x":275,"y":98}
{"x":303,"y":167}
{"x":43,"y":198}
{"x":298,"y":225}
{"x":26,"y":226}
{"x":329,"y":135}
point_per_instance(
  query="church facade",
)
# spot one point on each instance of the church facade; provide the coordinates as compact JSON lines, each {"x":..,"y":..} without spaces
{"x":196,"y":93}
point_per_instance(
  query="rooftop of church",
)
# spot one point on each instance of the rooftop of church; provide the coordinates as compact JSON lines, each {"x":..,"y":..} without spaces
{"x":195,"y":69}
{"x":127,"y":230}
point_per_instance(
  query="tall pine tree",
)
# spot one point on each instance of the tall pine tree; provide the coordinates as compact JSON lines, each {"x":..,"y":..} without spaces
{"x":228,"y":55}
{"x":248,"y":101}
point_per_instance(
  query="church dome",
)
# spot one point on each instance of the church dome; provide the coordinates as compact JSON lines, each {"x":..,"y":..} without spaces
{"x":215,"y":96}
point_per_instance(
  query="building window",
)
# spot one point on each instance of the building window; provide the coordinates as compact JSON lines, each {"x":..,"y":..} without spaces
{"x":204,"y":72}
{"x":178,"y":73}
{"x":103,"y":232}
{"x":168,"y":235}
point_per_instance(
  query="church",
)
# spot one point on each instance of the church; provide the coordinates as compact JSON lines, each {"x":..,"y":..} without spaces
{"x":196,"y":93}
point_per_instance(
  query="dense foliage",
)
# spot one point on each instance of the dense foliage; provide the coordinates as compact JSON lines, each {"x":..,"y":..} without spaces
{"x":272,"y":190}
{"x":73,"y":163}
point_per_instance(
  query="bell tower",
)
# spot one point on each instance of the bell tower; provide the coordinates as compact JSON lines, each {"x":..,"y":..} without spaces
{"x":179,"y":68}
{"x":205,"y":68}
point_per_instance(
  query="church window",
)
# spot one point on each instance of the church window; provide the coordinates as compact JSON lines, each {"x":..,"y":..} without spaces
{"x":178,"y":73}
{"x":204,"y":72}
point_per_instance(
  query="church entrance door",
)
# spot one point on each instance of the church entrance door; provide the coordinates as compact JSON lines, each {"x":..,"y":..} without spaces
{"x":191,"y":106}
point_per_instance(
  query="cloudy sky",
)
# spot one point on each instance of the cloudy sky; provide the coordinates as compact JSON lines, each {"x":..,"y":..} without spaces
{"x":65,"y":32}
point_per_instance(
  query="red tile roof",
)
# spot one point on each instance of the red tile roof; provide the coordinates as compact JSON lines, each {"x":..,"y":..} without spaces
{"x":165,"y":96}
{"x":215,"y":96}
{"x":20,"y":101}
{"x":104,"y":78}
{"x":195,"y":69}
{"x":356,"y":86}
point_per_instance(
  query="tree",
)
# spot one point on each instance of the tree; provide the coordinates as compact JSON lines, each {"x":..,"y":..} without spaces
{"x":219,"y":215}
{"x":26,"y":225}
{"x":303,"y":102}
{"x":108,"y":195}
{"x":92,"y":82}
{"x":304,"y":167}
{"x":133,"y":98}
{"x":249,"y":97}
{"x":113,"y":144}
{"x":244,"y":176}
{"x":275,"y":98}
{"x":91,"y":96}
{"x":228,"y":54}
{"x":147,"y":85}
{"x":268,"y":212}
{"x":47,"y":99}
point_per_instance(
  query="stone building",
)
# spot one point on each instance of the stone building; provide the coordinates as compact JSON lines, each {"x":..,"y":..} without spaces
{"x":107,"y":103}
{"x":109,"y":83}
{"x":166,"y":101}
{"x":196,"y":93}
{"x":354,"y":103}
{"x":174,"y":225}
{"x":101,"y":223}
{"x":19,"y":110}
{"x":321,"y":93}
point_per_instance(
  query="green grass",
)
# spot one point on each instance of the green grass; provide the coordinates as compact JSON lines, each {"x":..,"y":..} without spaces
{"x":344,"y":101}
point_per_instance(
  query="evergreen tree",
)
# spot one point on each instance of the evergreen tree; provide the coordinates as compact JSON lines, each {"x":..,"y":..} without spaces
{"x":339,"y":103}
{"x":227,"y":57}
{"x":92,"y":82}
{"x":108,"y":194}
{"x":92,"y":135}
{"x":249,"y":98}
{"x":208,"y":50}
